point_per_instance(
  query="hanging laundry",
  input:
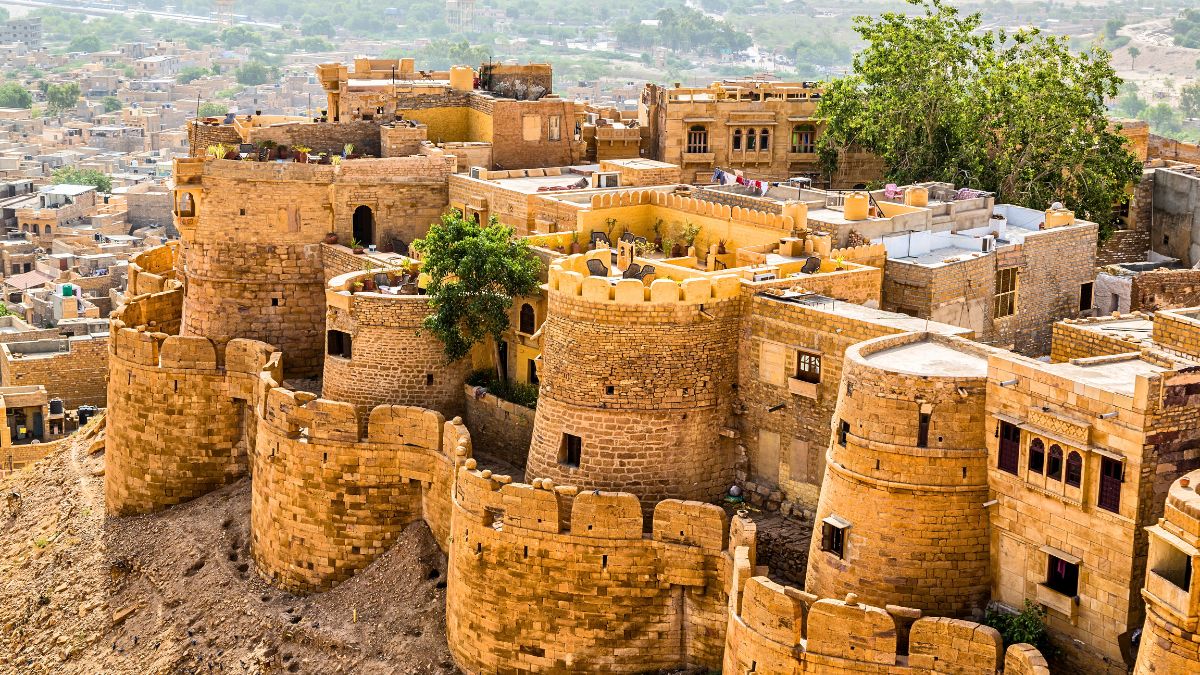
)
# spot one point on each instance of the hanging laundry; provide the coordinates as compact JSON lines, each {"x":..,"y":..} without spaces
{"x":729,"y":179}
{"x":718,"y":176}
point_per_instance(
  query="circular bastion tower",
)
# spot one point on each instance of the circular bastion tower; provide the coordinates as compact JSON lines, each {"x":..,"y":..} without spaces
{"x":252,"y":235}
{"x":635,"y":384}
{"x":901,"y":517}
{"x":1171,"y":635}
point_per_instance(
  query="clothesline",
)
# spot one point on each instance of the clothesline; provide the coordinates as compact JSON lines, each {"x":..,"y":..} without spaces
{"x":722,"y":177}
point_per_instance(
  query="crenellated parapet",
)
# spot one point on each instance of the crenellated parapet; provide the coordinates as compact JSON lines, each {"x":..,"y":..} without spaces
{"x":154,"y":270}
{"x":181,"y":415}
{"x":659,"y":582}
{"x":636,"y":384}
{"x":379,"y":353}
{"x":785,"y":631}
{"x":329,"y":499}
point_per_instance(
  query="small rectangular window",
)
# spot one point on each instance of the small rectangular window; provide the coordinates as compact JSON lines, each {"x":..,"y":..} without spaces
{"x":1010,"y":448}
{"x":833,"y":539}
{"x":1112,"y":474}
{"x":923,"y":430}
{"x":843,"y":431}
{"x":1085,"y":296}
{"x":808,"y":367}
{"x":338,"y":344}
{"x":555,"y":127}
{"x":1005,"y":303}
{"x":1062,"y":576}
{"x":571,"y":450}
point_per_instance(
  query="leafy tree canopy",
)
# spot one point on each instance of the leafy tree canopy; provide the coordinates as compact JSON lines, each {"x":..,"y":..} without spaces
{"x":72,"y":176}
{"x":253,"y":73}
{"x":475,"y":272}
{"x":13,"y":95}
{"x":111,"y":104}
{"x":191,"y":74}
{"x":1016,"y":114}
{"x":213,"y":109}
{"x":62,"y":97}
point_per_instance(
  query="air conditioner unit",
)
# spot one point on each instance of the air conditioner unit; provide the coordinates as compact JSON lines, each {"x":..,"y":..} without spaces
{"x":764,"y":276}
{"x":475,"y":171}
{"x":607,"y":180}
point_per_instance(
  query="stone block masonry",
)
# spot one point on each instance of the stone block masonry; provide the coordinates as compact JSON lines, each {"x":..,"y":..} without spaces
{"x":327,"y":501}
{"x":499,"y":428}
{"x":636,"y":383}
{"x":392,"y":359}
{"x":580,"y":586}
{"x":906,"y":478}
{"x":74,"y":369}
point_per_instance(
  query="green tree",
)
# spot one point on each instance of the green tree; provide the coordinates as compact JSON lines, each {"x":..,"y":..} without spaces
{"x":475,"y":272}
{"x":938,"y":98}
{"x":213,"y":110}
{"x":1134,"y":52}
{"x":253,"y":73}
{"x":62,"y":97}
{"x":72,"y":176}
{"x":111,"y":104}
{"x":13,"y":95}
{"x":1189,"y":99}
{"x":86,"y":44}
{"x":236,"y":36}
{"x":191,"y":74}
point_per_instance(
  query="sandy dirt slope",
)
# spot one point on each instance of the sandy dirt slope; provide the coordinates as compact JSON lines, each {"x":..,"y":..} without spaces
{"x":176,"y":592}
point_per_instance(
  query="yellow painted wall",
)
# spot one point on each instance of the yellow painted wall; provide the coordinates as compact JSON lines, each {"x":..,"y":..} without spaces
{"x":445,"y":124}
{"x":640,"y":220}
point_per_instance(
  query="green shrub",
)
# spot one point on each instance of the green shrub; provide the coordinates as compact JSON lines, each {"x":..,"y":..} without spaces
{"x":521,"y":393}
{"x":1027,"y":626}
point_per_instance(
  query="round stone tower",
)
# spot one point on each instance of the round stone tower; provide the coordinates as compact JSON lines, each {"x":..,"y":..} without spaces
{"x":378,"y":354}
{"x":251,"y":235}
{"x":901,"y":518}
{"x":635,"y":384}
{"x":1171,"y":636}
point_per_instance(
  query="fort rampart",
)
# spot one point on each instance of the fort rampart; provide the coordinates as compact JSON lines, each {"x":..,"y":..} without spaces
{"x":582,"y":586}
{"x":635,"y":384}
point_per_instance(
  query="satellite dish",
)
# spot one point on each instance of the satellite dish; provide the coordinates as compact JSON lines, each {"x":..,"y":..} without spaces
{"x":1057,"y":206}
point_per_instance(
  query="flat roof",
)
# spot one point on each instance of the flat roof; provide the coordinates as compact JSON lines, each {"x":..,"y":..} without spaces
{"x":928,"y":357}
{"x":882,"y":317}
{"x":940,"y":257}
{"x":1119,"y":377}
{"x":67,"y":189}
{"x":1133,"y":327}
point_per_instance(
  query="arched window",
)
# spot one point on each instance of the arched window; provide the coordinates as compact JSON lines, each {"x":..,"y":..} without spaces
{"x":751,"y":139}
{"x":737,"y":139}
{"x":1054,"y":464}
{"x":528,"y":319}
{"x":764,"y":140}
{"x":37,"y":229}
{"x":697,"y":138}
{"x":804,"y":138}
{"x":1037,"y":456}
{"x":1074,"y":469}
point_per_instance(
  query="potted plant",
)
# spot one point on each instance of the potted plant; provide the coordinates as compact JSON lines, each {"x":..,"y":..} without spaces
{"x":689,"y":234}
{"x":575,"y":246}
{"x":336,"y":160}
{"x":301,"y":153}
{"x":841,"y":262}
{"x":323,"y":158}
{"x":721,"y":246}
{"x":231,"y":152}
{"x":658,"y":235}
{"x":331,"y":238}
{"x":356,"y":287}
{"x":216,"y":151}
{"x":610,"y":226}
{"x":356,"y":246}
{"x":667,"y":245}
{"x":258,"y":112}
{"x":348,"y":151}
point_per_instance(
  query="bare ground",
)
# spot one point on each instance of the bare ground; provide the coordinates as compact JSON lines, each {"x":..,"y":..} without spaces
{"x":176,"y":592}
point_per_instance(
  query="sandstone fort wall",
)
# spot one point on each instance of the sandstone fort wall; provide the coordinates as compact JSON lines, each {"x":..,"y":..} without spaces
{"x":327,"y":501}
{"x":552,"y":563}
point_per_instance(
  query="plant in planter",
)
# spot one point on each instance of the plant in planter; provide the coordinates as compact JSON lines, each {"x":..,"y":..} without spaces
{"x":217,"y":151}
{"x":323,"y":158}
{"x":689,"y":234}
{"x":658,"y":234}
{"x":336,"y":160}
{"x":331,"y":238}
{"x":282,"y":152}
{"x":610,"y":226}
{"x":721,"y":246}
{"x":575,"y":246}
{"x":356,"y":287}
{"x":369,"y":280}
{"x":356,"y":246}
{"x":301,"y":153}
{"x":348,"y":151}
{"x":841,"y":262}
{"x":667,"y":245}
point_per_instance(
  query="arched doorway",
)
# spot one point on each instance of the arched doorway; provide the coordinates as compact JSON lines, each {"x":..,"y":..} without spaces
{"x":364,"y":225}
